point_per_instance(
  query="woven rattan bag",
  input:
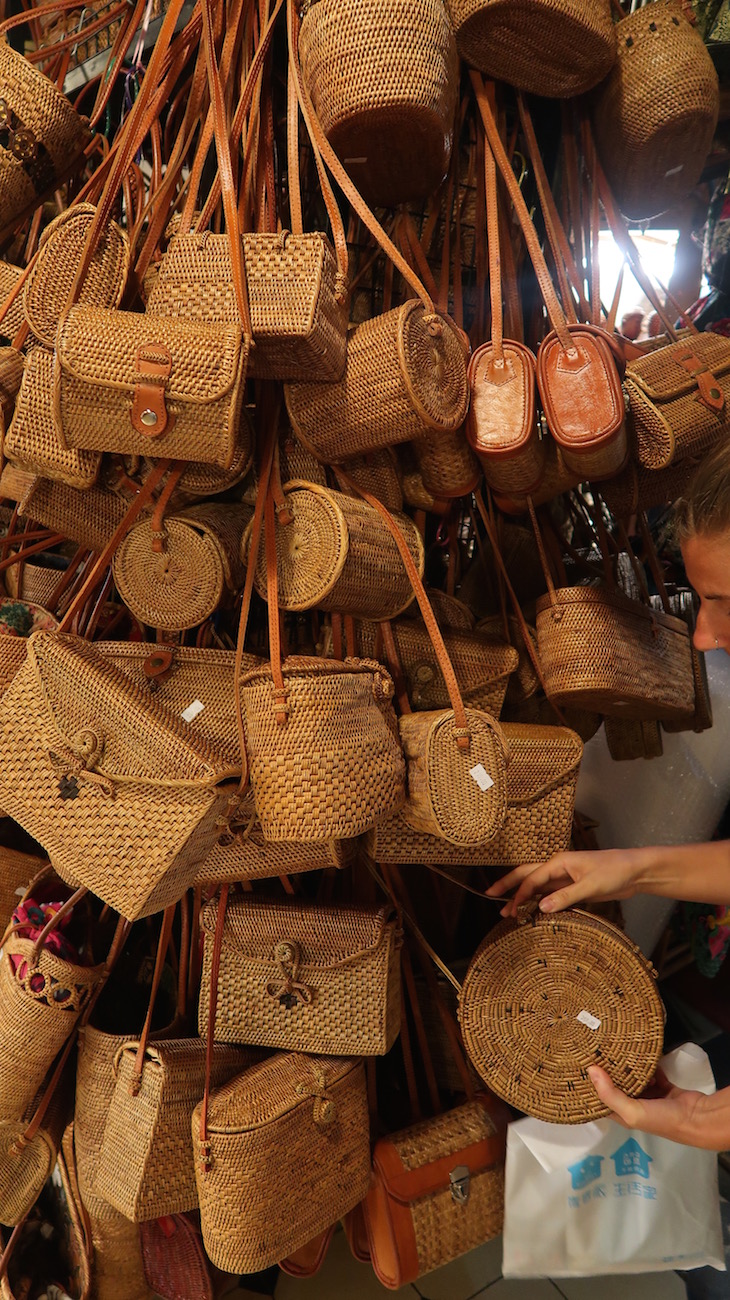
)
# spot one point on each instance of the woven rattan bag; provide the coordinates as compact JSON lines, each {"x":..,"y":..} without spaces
{"x":89,"y":517}
{"x":384,"y":86}
{"x":175,"y":576}
{"x":680,"y":400}
{"x":546,"y":996}
{"x":655,"y":114}
{"x":483,"y":665}
{"x":335,"y":553}
{"x":242,"y":853}
{"x":32,"y":441}
{"x":285,"y":1153}
{"x":92,"y":763}
{"x":175,"y":1263}
{"x":437,"y":1191}
{"x":304,"y":977}
{"x":11,"y":375}
{"x":542,"y":775}
{"x":145,"y":385}
{"x":42,"y":138}
{"x":28,"y":1145}
{"x":548,"y":47}
{"x":48,"y":287}
{"x":18,"y":871}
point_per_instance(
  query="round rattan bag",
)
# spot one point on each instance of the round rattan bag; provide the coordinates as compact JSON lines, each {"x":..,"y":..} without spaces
{"x":50,"y":282}
{"x":545,"y":997}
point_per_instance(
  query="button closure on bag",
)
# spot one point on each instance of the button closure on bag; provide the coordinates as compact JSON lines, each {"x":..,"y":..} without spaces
{"x":149,"y":412}
{"x":459,"y":1179}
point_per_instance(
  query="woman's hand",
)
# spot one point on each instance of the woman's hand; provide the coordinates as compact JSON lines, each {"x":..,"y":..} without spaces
{"x":571,"y":878}
{"x":691,"y":1118}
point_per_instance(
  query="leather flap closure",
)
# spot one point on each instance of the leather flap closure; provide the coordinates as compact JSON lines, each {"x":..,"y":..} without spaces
{"x":101,"y":728}
{"x":196,"y":362}
{"x":259,"y":928}
{"x":581,"y":395}
{"x":674,"y":371}
{"x":317,"y":1086}
{"x":450,"y":1172}
{"x":502,"y":412}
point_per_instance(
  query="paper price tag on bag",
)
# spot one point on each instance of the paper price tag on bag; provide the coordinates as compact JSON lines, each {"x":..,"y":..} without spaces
{"x":584,"y":1199}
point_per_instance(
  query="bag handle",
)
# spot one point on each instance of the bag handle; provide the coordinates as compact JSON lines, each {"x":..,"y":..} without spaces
{"x":165,"y":934}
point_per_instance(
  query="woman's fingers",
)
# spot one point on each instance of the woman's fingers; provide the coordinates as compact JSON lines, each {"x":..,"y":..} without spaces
{"x":626,"y":1110}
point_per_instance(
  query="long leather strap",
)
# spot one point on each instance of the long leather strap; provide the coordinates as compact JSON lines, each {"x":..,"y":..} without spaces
{"x":165,"y":933}
{"x":215,"y":967}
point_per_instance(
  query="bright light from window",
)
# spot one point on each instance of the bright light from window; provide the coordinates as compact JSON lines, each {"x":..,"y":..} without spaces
{"x":656,"y":249}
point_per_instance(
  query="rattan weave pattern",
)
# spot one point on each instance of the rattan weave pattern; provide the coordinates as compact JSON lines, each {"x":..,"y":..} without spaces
{"x":25,"y":1166}
{"x":671,"y":423}
{"x":542,"y":775}
{"x":178,"y":587}
{"x":655,"y":114}
{"x":601,"y":650}
{"x":384,"y":86}
{"x":444,"y":794}
{"x":95,"y":1080}
{"x":556,"y":48}
{"x":254,"y":1209}
{"x":118,"y":1269}
{"x":377,"y":473}
{"x":482,"y":665}
{"x":96,"y":373}
{"x":337,"y":554}
{"x":13,"y":319}
{"x":145,"y":1166}
{"x":298,"y":325}
{"x":523,"y":1006}
{"x":49,"y":116}
{"x":447,"y":463}
{"x":248,"y":856}
{"x":49,"y":284}
{"x":199,"y":480}
{"x":399,"y":381}
{"x":628,"y":740}
{"x":336,"y":765}
{"x":32,"y":442}
{"x":88,"y":517}
{"x":303,"y":977}
{"x":40,"y":1003}
{"x":642,"y":489}
{"x":32,"y":582}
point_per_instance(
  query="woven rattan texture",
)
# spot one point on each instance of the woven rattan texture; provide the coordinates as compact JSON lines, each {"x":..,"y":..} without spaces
{"x":177,"y":588}
{"x":48,"y":287}
{"x":303,"y":977}
{"x":482,"y":665}
{"x":118,"y":1268}
{"x":33,"y":442}
{"x":655,"y":114}
{"x":298,"y":326}
{"x":16,"y":870}
{"x":335,"y":765}
{"x":96,"y":373}
{"x":627,"y":740}
{"x":13,"y":319}
{"x":399,"y":380}
{"x":377,"y":473}
{"x":671,"y":424}
{"x":447,"y":463}
{"x":246,"y":855}
{"x":385,"y":89}
{"x":88,"y":517}
{"x":523,"y":1008}
{"x":32,"y":582}
{"x":94,"y":1090}
{"x":450,"y":611}
{"x":199,"y":480}
{"x":120,"y":792}
{"x":39,"y":1006}
{"x":48,"y":116}
{"x":548,"y":47}
{"x":257,"y":1208}
{"x":175,"y":1263}
{"x":524,"y":681}
{"x":443,"y":1229}
{"x":643,"y":489}
{"x":542,"y":775}
{"x":445,"y":794}
{"x":600,"y":650}
{"x":338,"y":554}
{"x":24,"y":1167}
{"x":145,"y":1167}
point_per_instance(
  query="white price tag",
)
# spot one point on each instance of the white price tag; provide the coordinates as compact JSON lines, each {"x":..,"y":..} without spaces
{"x":192,"y":711}
{"x":585,"y":1017}
{"x":481,"y":776}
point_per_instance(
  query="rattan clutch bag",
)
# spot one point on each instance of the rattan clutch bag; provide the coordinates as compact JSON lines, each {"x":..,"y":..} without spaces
{"x":546,"y":996}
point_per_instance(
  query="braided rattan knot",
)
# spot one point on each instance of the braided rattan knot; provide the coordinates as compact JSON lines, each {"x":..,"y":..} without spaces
{"x":325,"y":1110}
{"x":383,"y":688}
{"x":434,"y":325}
{"x":77,"y":764}
{"x":288,"y":991}
{"x":341,"y":288}
{"x":284,"y":238}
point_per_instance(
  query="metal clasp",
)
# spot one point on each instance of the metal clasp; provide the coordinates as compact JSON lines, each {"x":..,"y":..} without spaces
{"x":459,"y":1179}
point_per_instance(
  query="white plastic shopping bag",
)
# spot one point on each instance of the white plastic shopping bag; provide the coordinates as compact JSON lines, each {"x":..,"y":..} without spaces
{"x":584,"y":1199}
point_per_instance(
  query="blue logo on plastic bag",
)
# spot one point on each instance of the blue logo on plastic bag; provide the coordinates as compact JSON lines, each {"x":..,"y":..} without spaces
{"x":631,"y":1159}
{"x":586,"y":1171}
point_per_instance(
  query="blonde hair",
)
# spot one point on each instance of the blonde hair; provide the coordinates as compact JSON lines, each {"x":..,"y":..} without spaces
{"x":705,"y":507}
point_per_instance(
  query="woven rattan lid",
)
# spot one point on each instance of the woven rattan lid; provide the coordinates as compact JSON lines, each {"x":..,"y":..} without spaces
{"x":311,"y":666}
{"x":434,"y":368}
{"x":546,"y":996}
{"x":310,"y":551}
{"x":176,"y":589}
{"x":200,"y":480}
{"x":267,"y":1091}
{"x":49,"y":284}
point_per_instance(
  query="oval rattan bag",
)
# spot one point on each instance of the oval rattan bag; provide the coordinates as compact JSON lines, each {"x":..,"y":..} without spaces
{"x":384,"y":83}
{"x":655,"y":114}
{"x":50,"y":282}
{"x":337,"y":554}
{"x":546,"y":996}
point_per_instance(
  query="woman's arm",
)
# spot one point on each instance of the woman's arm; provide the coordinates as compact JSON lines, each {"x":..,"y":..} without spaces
{"x":692,"y":872}
{"x":691,"y":1118}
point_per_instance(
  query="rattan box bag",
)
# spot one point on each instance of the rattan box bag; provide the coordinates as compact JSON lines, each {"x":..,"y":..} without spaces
{"x":546,"y":996}
{"x":92,"y":766}
{"x":655,"y":114}
{"x":304,"y":977}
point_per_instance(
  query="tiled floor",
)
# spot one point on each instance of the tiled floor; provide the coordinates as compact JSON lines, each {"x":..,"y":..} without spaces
{"x":476,"y":1276}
